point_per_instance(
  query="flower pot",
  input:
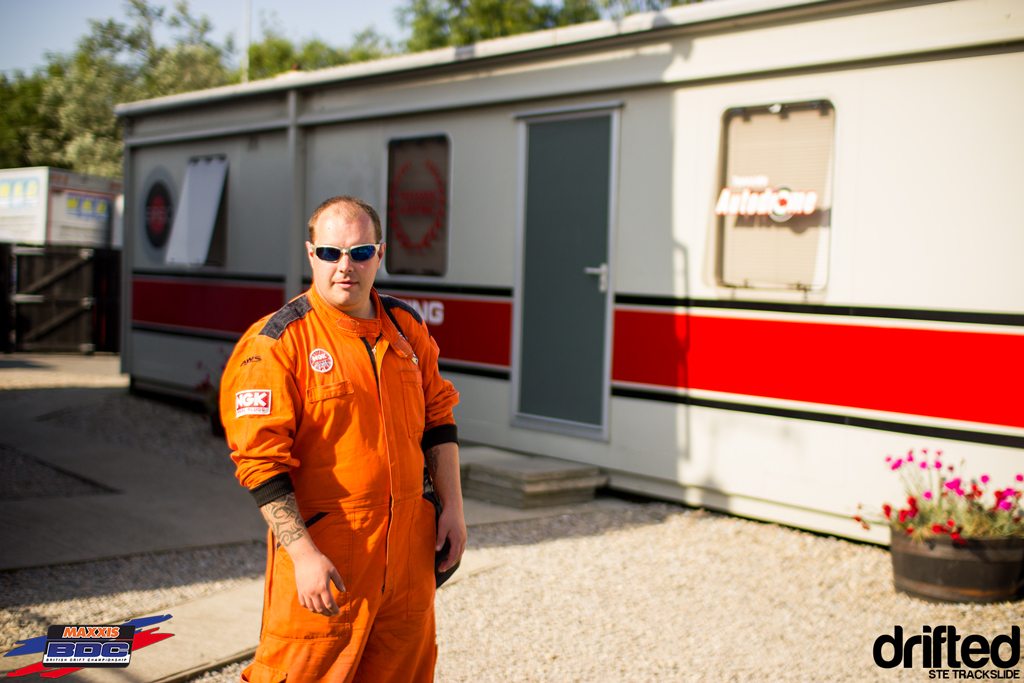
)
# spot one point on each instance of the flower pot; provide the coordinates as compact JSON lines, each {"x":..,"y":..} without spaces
{"x":939,"y":570}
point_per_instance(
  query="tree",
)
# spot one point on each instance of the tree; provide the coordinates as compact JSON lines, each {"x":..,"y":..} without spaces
{"x":115,"y":63}
{"x":616,"y":9}
{"x":21,"y":116}
{"x":441,"y":23}
{"x":275,"y":54}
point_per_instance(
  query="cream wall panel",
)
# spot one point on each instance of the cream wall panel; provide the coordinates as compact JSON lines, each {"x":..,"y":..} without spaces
{"x":938,"y":220}
{"x":257,"y":187}
{"x":924,"y":212}
{"x":218,"y":115}
{"x":644,"y":221}
{"x":352,"y":158}
{"x":735,"y":461}
{"x":183,"y":362}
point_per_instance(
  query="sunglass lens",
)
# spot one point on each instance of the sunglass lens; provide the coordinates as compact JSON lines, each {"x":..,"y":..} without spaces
{"x":329,"y":254}
{"x":363,"y":252}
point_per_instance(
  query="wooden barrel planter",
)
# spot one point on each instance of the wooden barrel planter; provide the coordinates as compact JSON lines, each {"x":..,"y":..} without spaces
{"x":939,"y":570}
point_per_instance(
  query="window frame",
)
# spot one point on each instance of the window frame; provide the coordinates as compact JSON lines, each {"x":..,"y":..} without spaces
{"x":779,"y":108}
{"x":385,"y":213}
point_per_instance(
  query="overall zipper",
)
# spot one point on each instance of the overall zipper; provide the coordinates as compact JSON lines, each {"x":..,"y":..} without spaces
{"x":372,"y":352}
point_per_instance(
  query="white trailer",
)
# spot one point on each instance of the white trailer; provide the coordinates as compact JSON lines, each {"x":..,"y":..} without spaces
{"x":53,"y":206}
{"x":733,"y":253}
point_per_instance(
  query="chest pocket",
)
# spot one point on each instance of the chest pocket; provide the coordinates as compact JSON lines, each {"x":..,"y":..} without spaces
{"x":415,"y":410}
{"x":326,"y":391}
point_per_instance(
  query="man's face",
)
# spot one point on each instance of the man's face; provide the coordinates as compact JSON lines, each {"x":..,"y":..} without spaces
{"x":346,"y":284}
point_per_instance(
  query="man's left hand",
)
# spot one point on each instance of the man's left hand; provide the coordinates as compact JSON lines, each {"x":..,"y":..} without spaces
{"x":451,"y":525}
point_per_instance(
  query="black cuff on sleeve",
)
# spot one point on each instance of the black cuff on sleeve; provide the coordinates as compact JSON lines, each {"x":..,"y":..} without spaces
{"x":272,"y":489}
{"x":439,"y":435}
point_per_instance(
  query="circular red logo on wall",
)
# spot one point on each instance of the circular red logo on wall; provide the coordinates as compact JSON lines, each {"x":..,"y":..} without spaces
{"x":159,"y":213}
{"x":320,"y":360}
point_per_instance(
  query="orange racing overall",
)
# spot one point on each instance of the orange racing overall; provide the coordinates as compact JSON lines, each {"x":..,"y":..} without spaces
{"x":339,"y":410}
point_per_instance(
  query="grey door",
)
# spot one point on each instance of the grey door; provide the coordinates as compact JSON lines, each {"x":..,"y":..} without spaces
{"x":562,"y":373}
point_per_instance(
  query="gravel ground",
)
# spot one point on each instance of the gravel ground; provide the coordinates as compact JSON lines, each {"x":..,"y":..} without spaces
{"x":108,"y":591}
{"x":644,"y":593}
{"x":144,"y":424}
{"x":20,"y":378}
{"x":22,"y":476}
{"x":656,"y":592}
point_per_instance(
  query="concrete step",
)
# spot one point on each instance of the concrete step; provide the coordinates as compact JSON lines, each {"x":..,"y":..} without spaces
{"x":523,"y":481}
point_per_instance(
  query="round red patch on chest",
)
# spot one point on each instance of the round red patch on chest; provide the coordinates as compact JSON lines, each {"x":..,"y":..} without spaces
{"x":320,"y":360}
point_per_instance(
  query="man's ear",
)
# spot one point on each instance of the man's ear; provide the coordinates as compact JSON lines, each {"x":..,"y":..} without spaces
{"x":380,"y":255}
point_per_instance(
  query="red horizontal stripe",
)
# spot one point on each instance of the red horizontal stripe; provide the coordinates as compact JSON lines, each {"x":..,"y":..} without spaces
{"x":223,"y":307}
{"x":472,"y":330}
{"x":944,"y":374}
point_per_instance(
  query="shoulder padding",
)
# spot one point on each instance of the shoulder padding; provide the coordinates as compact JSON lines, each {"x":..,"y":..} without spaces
{"x":391,"y":302}
{"x":295,"y":309}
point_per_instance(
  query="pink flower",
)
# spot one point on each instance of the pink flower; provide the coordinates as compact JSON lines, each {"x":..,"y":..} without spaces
{"x":984,"y":479}
{"x":896,"y":465}
{"x":924,"y":465}
{"x":910,"y":458}
{"x":925,"y":451}
{"x":953,"y":484}
{"x":938,"y":453}
{"x":938,"y":465}
{"x":1020,"y":477}
{"x":950,"y":468}
{"x":888,"y":458}
{"x":1005,"y":504}
{"x":927,"y":495}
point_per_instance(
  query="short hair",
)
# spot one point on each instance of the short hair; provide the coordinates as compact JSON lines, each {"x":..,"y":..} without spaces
{"x":354,"y":203}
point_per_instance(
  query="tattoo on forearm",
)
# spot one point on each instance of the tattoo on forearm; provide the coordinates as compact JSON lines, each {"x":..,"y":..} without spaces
{"x":284,"y":519}
{"x":431,"y":455}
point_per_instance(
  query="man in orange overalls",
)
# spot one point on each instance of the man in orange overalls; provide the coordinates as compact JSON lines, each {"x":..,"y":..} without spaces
{"x":332,"y":406}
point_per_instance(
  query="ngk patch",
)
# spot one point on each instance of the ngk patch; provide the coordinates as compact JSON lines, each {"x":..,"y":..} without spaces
{"x":254,"y":402}
{"x":320,"y":360}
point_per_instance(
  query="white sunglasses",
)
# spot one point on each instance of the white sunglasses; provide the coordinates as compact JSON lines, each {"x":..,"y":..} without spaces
{"x":358,"y":253}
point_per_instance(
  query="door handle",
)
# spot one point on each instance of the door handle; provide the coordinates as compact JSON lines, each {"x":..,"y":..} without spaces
{"x":602,"y":276}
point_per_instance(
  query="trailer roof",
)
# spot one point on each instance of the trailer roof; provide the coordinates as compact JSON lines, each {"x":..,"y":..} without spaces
{"x":580,"y":34}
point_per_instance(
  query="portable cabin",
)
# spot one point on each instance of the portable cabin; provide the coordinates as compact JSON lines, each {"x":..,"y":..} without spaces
{"x":733,"y":253}
{"x":60,"y":260}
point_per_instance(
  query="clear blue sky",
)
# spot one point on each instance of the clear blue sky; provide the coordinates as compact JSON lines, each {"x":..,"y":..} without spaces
{"x":30,"y":28}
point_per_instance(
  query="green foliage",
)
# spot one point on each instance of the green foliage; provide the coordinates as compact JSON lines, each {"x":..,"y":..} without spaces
{"x":63,"y":115}
{"x":442,"y":23}
{"x":617,"y":9}
{"x":21,"y":116}
{"x":275,"y":54}
{"x":117,"y":63}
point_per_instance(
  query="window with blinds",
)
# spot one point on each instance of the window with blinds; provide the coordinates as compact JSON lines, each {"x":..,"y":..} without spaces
{"x":417,"y":214}
{"x":774,"y":207}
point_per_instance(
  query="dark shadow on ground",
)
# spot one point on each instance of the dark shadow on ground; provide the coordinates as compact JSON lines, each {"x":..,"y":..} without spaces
{"x":593,"y":523}
{"x":24,"y":363}
{"x":150,"y":571}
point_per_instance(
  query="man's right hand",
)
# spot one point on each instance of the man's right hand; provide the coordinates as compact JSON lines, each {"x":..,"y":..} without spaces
{"x":313,"y":576}
{"x":313,"y":571}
